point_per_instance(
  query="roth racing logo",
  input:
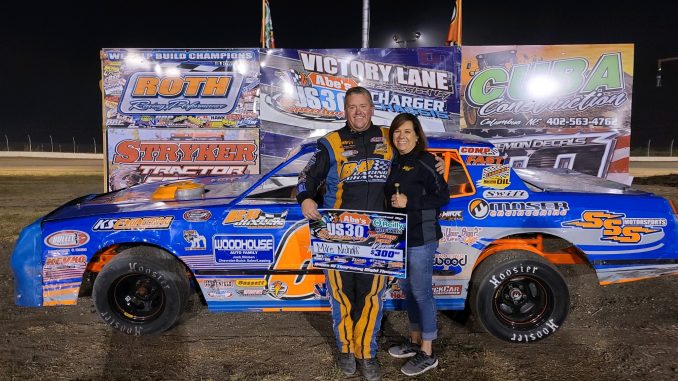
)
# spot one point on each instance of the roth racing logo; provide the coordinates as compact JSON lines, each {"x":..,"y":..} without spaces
{"x":199,"y":93}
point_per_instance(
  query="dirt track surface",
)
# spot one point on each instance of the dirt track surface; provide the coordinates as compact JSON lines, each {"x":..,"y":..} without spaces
{"x":619,"y":332}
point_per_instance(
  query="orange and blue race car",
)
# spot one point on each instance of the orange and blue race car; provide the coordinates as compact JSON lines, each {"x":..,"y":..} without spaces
{"x":242,"y":243}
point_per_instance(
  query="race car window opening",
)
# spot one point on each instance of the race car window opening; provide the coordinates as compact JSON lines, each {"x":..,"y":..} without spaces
{"x":281,"y":188}
{"x":295,"y":166}
{"x":456,"y":175}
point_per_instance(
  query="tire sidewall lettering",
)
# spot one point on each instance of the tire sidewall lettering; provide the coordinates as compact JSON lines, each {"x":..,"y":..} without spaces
{"x":543,"y":331}
{"x":502,"y":275}
{"x":140,"y":268}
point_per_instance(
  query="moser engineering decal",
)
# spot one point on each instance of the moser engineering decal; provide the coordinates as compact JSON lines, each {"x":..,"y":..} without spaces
{"x":255,"y":219}
{"x":479,"y":208}
{"x":194,"y":93}
{"x":617,"y":227}
{"x":67,"y":239}
{"x":133,"y":223}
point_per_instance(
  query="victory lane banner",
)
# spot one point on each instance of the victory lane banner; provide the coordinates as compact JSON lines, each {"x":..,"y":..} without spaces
{"x":360,"y":241}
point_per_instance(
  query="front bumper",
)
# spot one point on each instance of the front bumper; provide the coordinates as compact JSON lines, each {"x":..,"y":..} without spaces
{"x":27,"y":266}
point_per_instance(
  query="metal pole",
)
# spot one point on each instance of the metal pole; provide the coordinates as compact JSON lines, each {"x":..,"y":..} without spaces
{"x":95,"y":144}
{"x":73,"y":143}
{"x":51,"y":142}
{"x":30,"y":147}
{"x":648,"y":146}
{"x":7,"y":142}
{"x":366,"y":24}
{"x":671,"y":149}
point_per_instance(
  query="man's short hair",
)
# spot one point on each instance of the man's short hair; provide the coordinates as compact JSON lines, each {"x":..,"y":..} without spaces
{"x":359,"y":90}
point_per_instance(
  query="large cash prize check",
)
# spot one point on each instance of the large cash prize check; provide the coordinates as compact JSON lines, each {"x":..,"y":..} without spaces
{"x":360,"y":241}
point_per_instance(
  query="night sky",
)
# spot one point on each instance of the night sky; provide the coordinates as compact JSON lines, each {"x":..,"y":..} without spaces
{"x":51,"y":68}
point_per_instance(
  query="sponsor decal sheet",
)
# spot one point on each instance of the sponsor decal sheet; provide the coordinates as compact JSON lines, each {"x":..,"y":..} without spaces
{"x":178,"y":113}
{"x":552,"y":106}
{"x":302,"y":91}
{"x":359,"y":241}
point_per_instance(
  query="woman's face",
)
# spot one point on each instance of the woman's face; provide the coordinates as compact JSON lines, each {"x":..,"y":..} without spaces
{"x":404,"y":138}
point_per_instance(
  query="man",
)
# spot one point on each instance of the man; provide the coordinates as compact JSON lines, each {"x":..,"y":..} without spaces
{"x":353,"y":164}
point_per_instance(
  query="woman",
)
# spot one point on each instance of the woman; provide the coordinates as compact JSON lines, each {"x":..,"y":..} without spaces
{"x":415,"y":188}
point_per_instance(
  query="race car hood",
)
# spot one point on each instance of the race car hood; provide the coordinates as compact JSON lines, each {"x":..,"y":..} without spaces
{"x":152,"y":196}
{"x":565,"y":180}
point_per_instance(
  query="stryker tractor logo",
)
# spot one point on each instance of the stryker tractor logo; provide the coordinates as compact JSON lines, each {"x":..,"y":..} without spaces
{"x":365,"y":170}
{"x":255,"y":219}
{"x":159,"y":159}
{"x":67,"y":239}
{"x":194,"y":93}
{"x":617,"y":227}
{"x":133,"y":223}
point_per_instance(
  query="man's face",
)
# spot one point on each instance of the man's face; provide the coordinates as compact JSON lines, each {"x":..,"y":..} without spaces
{"x":358,"y":110}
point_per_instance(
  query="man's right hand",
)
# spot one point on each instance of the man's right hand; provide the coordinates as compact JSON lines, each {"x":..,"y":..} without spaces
{"x":309,"y":209}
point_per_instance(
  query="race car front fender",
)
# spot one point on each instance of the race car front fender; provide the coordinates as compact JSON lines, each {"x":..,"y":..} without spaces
{"x":27,"y":266}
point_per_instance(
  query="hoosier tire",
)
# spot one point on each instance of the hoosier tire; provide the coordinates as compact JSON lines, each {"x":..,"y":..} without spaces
{"x":141,"y":291}
{"x":518,"y":296}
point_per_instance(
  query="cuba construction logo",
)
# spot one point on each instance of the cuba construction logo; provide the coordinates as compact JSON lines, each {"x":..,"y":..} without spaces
{"x":194,"y":92}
